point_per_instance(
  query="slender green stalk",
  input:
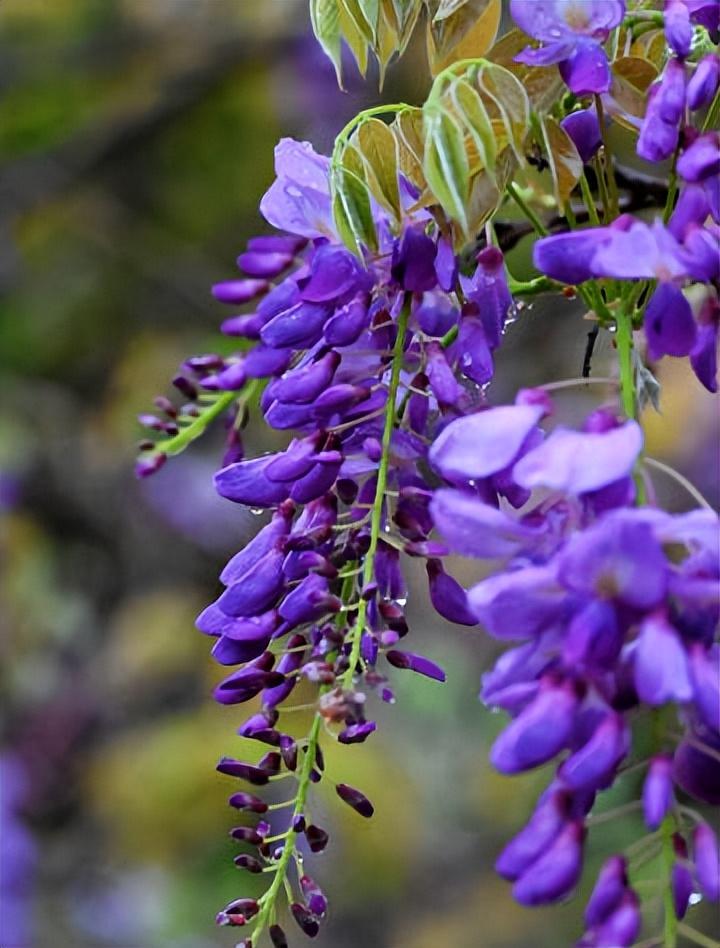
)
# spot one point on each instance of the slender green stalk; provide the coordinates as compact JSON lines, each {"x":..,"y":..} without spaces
{"x":670,"y":929}
{"x":589,"y":200}
{"x":379,"y":501}
{"x":268,"y":899}
{"x":527,"y":210}
{"x":197,"y":426}
{"x":696,"y":937}
{"x":627,"y":374}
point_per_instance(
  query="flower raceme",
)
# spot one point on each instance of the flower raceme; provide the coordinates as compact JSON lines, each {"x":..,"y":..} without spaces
{"x":375,"y":364}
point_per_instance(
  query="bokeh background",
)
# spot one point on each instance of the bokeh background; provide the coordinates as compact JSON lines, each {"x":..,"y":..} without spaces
{"x":136,"y":139}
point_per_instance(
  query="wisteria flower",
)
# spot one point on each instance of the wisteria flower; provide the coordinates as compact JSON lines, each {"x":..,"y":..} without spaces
{"x":572,"y":33}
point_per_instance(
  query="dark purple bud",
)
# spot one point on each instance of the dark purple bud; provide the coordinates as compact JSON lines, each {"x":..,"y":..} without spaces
{"x":593,"y":766}
{"x":310,"y":600}
{"x":358,"y":801}
{"x":681,"y":880}
{"x":347,"y":324}
{"x":248,"y":802}
{"x":299,"y":824}
{"x":447,"y":595}
{"x":703,"y":84}
{"x":660,"y":130}
{"x":446,"y":265}
{"x":669,"y":324}
{"x":555,"y":872}
{"x":238,"y":768}
{"x":268,"y":265}
{"x":290,"y":662}
{"x":236,"y":919}
{"x":246,"y":483}
{"x":277,"y":937}
{"x":441,"y":377}
{"x":413,"y":263}
{"x":304,"y":384}
{"x":488,"y":289}
{"x":186,"y":387}
{"x":335,"y":273}
{"x":317,"y":838}
{"x":246,"y":834}
{"x":313,"y":895}
{"x":289,"y":751}
{"x":707,"y":861}
{"x":437,"y":314}
{"x":657,"y":791}
{"x":416,"y":663}
{"x":147,"y":465}
{"x":262,"y":361}
{"x":357,"y":733}
{"x":270,"y":763}
{"x":256,"y":590}
{"x":543,"y":827}
{"x":230,"y":651}
{"x":243,"y":861}
{"x":305,"y":919}
{"x":622,"y":928}
{"x":539,"y":732}
{"x":239,"y":291}
{"x":608,"y":892}
{"x":696,"y":770}
{"x":474,"y":356}
{"x":678,"y":28}
{"x":246,"y":907}
{"x":584,"y":130}
{"x":301,"y":326}
{"x":277,"y":243}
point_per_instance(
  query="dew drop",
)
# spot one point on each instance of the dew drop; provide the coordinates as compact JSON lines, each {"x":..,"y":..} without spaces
{"x":695,"y":897}
{"x":256,"y":511}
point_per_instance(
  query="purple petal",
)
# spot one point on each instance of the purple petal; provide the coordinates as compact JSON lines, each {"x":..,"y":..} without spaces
{"x":472,"y":528}
{"x":519,"y":604}
{"x":586,"y":71}
{"x":568,"y":257}
{"x":704,"y":82}
{"x":661,"y":666}
{"x":702,"y":159}
{"x":657,"y":793}
{"x":584,"y":130}
{"x":484,"y":443}
{"x":576,"y":462}
{"x":246,"y":483}
{"x":524,"y":849}
{"x":556,"y":872}
{"x":594,"y":765}
{"x":298,"y":201}
{"x":669,"y":325}
{"x":416,"y":663}
{"x":707,"y":861}
{"x":608,"y":892}
{"x":448,"y":596}
{"x":239,"y":291}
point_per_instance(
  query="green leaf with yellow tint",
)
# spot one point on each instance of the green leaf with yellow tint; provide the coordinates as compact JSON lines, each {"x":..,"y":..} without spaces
{"x":466,"y":32}
{"x":506,"y":102}
{"x":631,"y":79}
{"x":566,"y":165}
{"x":325,"y":19}
{"x":446,"y":164}
{"x":473,"y":116}
{"x":351,"y":202}
{"x":542,"y":86}
{"x":378,"y":147}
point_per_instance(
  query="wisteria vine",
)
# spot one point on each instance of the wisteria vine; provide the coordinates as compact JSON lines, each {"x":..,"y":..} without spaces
{"x":378,"y":305}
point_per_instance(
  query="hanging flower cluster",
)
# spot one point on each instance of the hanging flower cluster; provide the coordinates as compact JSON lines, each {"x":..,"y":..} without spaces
{"x":377,"y":307}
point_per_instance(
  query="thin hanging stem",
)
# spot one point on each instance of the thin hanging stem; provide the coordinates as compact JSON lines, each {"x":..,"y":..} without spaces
{"x":677,"y":476}
{"x":380,"y":490}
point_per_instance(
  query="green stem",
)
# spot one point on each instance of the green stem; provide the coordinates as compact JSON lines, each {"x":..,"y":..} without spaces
{"x":696,"y":937}
{"x":672,"y":189}
{"x":267,"y":901}
{"x":527,"y":210}
{"x":623,"y":323}
{"x":671,"y":923}
{"x":713,"y":115}
{"x":589,"y":200}
{"x":197,"y":426}
{"x":379,"y":500}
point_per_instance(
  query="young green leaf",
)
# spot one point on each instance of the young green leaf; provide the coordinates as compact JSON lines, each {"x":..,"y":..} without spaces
{"x":445,"y":163}
{"x":470,"y":111}
{"x":352,"y":210}
{"x":466,"y":32}
{"x":356,"y":39}
{"x":566,"y":165}
{"x":325,"y":19}
{"x":542,"y":86}
{"x":408,"y":131}
{"x":506,"y":99}
{"x":378,"y":148}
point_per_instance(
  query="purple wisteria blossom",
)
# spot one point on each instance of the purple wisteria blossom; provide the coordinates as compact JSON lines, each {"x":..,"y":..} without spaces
{"x":614,"y":608}
{"x":572,"y":33}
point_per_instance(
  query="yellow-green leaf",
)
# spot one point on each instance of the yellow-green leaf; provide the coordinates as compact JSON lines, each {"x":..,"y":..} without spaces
{"x":354,"y":37}
{"x":543,"y":86}
{"x":566,"y":165}
{"x":408,"y":129}
{"x":378,"y":148}
{"x":467,"y":32}
{"x":505,"y":97}
{"x":472,"y":114}
{"x":631,"y":78}
{"x":325,"y":19}
{"x":445,"y":164}
{"x":351,"y":203}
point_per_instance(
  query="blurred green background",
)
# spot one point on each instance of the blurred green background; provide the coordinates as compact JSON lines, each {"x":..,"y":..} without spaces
{"x":136,"y":139}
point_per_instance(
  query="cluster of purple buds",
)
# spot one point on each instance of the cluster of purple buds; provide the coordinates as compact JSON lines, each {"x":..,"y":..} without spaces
{"x":362,"y":362}
{"x":615,"y":607}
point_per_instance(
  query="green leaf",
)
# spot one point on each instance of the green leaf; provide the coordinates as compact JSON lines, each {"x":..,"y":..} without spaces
{"x":566,"y":165}
{"x":467,"y":32}
{"x":354,"y":10}
{"x":472,"y":114}
{"x":445,"y":163}
{"x":355,"y":38}
{"x":370,"y":10}
{"x":378,"y":148}
{"x":543,"y":86}
{"x":631,"y":79}
{"x":325,"y":19}
{"x":506,"y":100}
{"x":446,"y":8}
{"x":408,"y":130}
{"x":351,"y":203}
